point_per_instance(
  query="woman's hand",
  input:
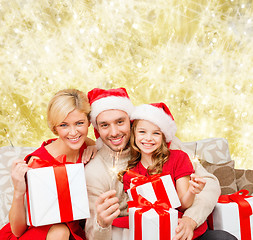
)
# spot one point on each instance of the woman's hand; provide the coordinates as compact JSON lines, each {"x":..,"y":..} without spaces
{"x":89,"y":153}
{"x":18,"y":171}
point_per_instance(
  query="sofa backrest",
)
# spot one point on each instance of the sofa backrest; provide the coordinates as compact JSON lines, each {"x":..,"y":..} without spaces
{"x":212,"y":150}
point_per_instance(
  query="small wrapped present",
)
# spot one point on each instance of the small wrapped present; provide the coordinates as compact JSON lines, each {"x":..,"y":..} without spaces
{"x":155,"y":187}
{"x":149,"y":221}
{"x":56,"y":193}
{"x":233,"y":213}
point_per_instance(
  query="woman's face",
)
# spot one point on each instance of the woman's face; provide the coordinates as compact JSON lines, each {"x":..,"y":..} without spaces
{"x":73,"y":129}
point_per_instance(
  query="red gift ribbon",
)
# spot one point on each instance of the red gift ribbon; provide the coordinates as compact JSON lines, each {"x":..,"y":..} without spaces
{"x":156,"y":182}
{"x":245,"y":210}
{"x":62,"y":186}
{"x":159,"y":207}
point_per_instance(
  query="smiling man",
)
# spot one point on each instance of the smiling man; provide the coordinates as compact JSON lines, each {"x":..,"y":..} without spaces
{"x":110,"y":111}
{"x":110,"y":118}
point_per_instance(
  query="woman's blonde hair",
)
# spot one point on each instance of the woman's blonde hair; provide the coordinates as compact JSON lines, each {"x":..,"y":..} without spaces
{"x":159,"y":156}
{"x":64,"y":102}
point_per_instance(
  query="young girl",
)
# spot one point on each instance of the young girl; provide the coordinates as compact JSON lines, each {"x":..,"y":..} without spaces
{"x":152,"y":132}
{"x":67,"y":117}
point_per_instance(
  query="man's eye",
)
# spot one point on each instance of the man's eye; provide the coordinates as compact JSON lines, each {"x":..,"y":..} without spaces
{"x":120,"y":122}
{"x":104,"y":125}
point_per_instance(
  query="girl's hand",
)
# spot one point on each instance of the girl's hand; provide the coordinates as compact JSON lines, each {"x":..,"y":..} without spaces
{"x":18,"y":171}
{"x":196,"y":184}
{"x":89,"y":153}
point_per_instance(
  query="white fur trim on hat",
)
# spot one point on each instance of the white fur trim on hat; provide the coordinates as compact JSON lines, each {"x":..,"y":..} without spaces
{"x":158,"y":117}
{"x":110,"y":103}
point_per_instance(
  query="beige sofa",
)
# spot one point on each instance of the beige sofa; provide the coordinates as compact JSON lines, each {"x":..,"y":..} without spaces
{"x":213,"y":153}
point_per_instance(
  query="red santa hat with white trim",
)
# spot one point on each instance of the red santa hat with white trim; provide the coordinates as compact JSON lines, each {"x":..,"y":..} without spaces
{"x":111,"y":99}
{"x":158,"y":114}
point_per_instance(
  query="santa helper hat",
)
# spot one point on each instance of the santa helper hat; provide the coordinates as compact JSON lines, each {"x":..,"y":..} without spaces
{"x":158,"y":114}
{"x":111,"y":99}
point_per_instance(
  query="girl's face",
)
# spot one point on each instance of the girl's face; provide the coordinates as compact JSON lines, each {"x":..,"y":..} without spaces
{"x":73,"y":129}
{"x":148,"y":137}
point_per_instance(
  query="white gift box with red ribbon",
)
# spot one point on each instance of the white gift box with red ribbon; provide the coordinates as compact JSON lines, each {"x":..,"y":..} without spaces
{"x":56,"y":194}
{"x":233,"y":213}
{"x":155,"y":188}
{"x":150,"y":221}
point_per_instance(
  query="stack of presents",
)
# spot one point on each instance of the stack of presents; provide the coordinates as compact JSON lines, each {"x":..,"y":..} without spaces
{"x":52,"y":197}
{"x":153,"y":208}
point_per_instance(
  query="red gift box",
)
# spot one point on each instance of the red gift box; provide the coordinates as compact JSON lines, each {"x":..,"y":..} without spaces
{"x":233,"y":213}
{"x":151,"y":221}
{"x":56,"y":192}
{"x":155,"y":187}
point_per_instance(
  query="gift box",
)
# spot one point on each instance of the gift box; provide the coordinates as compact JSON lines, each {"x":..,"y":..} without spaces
{"x":155,"y":187}
{"x":233,"y":213}
{"x":149,"y":221}
{"x":56,"y":194}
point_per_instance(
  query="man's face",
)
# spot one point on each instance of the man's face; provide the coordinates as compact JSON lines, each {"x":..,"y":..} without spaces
{"x":114,"y":129}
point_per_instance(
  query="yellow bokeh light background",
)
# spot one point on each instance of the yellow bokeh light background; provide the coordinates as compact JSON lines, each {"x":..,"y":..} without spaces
{"x":194,"y":55}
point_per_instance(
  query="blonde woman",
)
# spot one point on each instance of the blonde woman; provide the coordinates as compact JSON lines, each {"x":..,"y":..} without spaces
{"x":68,"y":118}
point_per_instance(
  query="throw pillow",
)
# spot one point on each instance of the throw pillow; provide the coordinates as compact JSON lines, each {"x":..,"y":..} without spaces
{"x":213,"y":150}
{"x":244,"y":180}
{"x":225,"y":173}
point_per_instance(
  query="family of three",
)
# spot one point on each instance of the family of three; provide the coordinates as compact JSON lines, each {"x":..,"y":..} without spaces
{"x":138,"y":138}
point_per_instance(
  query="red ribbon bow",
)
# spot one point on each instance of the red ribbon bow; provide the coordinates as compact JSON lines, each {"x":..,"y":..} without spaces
{"x":159,"y":207}
{"x":62,"y":185}
{"x":58,"y":161}
{"x":245,"y":210}
{"x":142,"y":202}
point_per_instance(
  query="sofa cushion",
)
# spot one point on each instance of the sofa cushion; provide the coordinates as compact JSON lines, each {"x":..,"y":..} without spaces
{"x":244,"y":180}
{"x":7,"y":156}
{"x":213,"y":150}
{"x":225,"y":173}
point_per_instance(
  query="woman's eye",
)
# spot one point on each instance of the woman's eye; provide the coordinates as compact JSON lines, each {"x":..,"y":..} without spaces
{"x":63,"y":125}
{"x":80,"y":123}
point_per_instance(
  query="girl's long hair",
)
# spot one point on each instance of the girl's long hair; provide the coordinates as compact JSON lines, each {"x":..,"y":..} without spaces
{"x":159,"y":156}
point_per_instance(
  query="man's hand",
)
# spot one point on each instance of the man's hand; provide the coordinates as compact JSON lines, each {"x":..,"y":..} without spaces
{"x":107,"y":208}
{"x":185,"y":228}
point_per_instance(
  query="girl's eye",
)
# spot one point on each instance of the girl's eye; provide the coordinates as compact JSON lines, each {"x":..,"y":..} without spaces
{"x":80,"y":123}
{"x":141,"y":131}
{"x":157,"y":133}
{"x":63,"y":125}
